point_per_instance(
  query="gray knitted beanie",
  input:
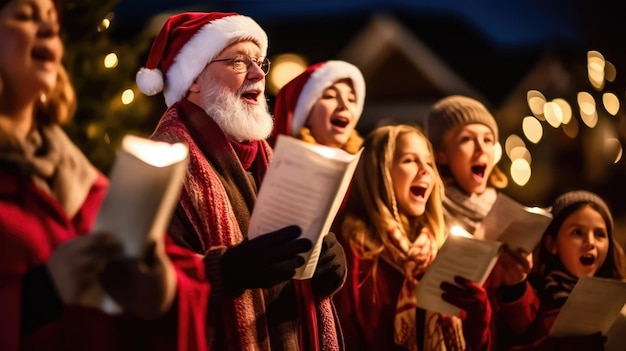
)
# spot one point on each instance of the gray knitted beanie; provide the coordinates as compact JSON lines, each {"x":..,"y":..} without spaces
{"x":581,"y":196}
{"x":453,"y":111}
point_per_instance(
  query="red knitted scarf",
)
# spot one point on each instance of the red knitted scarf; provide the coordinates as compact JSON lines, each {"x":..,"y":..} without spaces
{"x":217,"y":198}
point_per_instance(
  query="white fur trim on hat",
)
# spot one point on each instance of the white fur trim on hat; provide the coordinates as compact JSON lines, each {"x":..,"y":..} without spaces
{"x":150,"y":81}
{"x":207,"y":43}
{"x":321,"y":79}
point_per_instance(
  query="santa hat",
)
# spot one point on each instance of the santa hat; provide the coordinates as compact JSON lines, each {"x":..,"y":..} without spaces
{"x":186,"y":43}
{"x":295,"y":99}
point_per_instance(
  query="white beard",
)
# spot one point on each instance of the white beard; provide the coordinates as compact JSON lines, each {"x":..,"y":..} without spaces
{"x":240,"y":121}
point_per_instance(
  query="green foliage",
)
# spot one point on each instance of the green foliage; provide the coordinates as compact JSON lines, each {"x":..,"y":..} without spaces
{"x":101,"y":120}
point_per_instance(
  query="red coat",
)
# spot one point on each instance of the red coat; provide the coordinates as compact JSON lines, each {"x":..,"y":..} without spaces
{"x":511,"y":321}
{"x":32,"y":224}
{"x":366,"y":324}
{"x":537,"y":338}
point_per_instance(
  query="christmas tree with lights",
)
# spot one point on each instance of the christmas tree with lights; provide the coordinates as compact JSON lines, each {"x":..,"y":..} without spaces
{"x":102,"y":69}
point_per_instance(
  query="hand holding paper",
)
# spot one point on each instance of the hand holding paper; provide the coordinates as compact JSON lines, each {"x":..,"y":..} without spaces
{"x":515,"y":225}
{"x":471,"y":298}
{"x":145,"y":184}
{"x":331,"y":268}
{"x":462,"y":256}
{"x":593,"y":306}
{"x":264,"y":261}
{"x":303,"y":186}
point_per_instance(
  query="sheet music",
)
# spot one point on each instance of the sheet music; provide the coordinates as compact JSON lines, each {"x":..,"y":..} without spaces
{"x":145,"y":184}
{"x":516,"y":225}
{"x":304,"y":185}
{"x":593,"y":306}
{"x":468,"y":257}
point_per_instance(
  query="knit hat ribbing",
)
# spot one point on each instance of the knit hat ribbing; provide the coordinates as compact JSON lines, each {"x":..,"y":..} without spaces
{"x":453,"y":111}
{"x":581,"y":196}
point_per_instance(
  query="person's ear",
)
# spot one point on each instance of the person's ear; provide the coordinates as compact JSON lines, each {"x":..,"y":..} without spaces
{"x":441,"y":157}
{"x":195,"y":87}
{"x":550,"y":244}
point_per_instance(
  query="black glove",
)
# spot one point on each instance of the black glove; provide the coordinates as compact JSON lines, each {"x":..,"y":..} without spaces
{"x":331,"y":268}
{"x":581,"y":342}
{"x":473,"y":300}
{"x":264,"y":261}
{"x":144,"y":286}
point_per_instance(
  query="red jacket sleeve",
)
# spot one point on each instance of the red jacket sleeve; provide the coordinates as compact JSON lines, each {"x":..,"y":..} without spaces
{"x":520,"y":314}
{"x":193,"y":292}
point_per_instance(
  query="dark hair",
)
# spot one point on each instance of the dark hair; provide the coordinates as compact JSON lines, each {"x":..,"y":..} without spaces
{"x":544,"y":261}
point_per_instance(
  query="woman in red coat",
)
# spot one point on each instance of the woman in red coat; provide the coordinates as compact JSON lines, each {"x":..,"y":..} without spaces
{"x":49,"y":197}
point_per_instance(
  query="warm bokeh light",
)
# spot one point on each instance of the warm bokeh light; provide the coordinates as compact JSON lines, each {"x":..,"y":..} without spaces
{"x":512,"y":142}
{"x":520,"y":171}
{"x":104,"y":25}
{"x":497,"y":153}
{"x":591,"y":120}
{"x":106,"y":22}
{"x":571,"y":129}
{"x":521,"y":152}
{"x":533,"y":131}
{"x":566,"y":110}
{"x":587,"y":106}
{"x":595,"y":69}
{"x":610,"y":72}
{"x":94,"y":129}
{"x":285,"y":67}
{"x":613,"y":149}
{"x":110,"y":60}
{"x":536,"y":100}
{"x":586,"y":103}
{"x":553,"y":114}
{"x":611,"y":103}
{"x":128,"y":96}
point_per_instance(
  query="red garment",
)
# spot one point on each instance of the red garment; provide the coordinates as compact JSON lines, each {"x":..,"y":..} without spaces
{"x":368,"y":324}
{"x":537,"y":339}
{"x":216,"y":200}
{"x":511,"y":321}
{"x":32,"y":224}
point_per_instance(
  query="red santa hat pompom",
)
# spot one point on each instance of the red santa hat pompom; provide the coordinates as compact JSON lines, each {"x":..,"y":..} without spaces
{"x":296,"y":98}
{"x":184,"y":46}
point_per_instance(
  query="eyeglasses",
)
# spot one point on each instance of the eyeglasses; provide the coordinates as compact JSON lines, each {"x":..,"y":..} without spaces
{"x":241,"y":63}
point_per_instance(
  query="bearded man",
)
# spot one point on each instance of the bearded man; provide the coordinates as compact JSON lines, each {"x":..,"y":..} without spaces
{"x":211,"y":68}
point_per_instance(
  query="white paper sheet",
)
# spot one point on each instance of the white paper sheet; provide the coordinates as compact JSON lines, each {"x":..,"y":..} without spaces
{"x":593,"y":306}
{"x":465,"y":256}
{"x":514,"y":224}
{"x":145,"y":184}
{"x":304,"y":185}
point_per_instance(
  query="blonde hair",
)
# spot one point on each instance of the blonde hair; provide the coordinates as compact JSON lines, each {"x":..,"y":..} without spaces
{"x":60,"y":104}
{"x":372,"y":209}
{"x":352,"y":145}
